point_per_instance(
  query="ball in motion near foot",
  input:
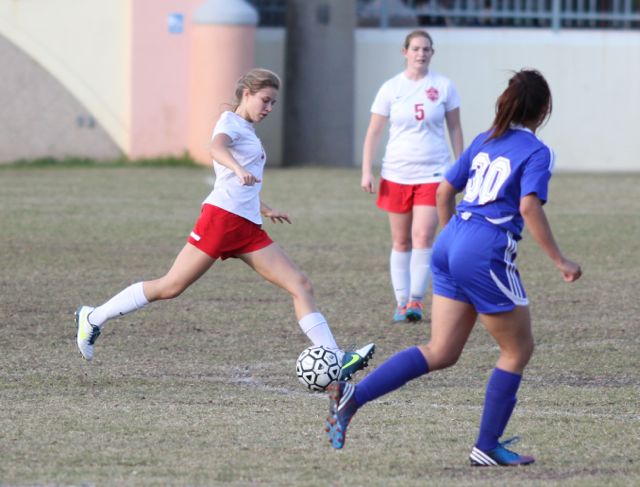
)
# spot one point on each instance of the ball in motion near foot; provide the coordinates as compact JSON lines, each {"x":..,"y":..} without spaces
{"x":317,"y":367}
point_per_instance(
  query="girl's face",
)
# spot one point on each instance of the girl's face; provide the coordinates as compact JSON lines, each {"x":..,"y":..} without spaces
{"x":256,"y":106}
{"x":418,"y":54}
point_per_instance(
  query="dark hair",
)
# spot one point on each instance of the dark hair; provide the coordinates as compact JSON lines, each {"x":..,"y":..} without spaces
{"x":417,"y":33}
{"x":527,"y":99}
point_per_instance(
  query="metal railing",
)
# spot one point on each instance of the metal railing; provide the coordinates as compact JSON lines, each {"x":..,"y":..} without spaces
{"x":555,"y":14}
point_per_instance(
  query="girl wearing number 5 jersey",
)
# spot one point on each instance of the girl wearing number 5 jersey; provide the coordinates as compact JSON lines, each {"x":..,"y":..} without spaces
{"x":505,"y":174}
{"x":417,"y":103}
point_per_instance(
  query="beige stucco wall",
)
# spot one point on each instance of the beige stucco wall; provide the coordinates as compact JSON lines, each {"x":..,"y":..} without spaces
{"x":593,"y":75}
{"x":84,"y":44}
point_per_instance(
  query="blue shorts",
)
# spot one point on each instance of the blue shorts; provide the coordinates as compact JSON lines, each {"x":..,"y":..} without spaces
{"x":474,"y":261}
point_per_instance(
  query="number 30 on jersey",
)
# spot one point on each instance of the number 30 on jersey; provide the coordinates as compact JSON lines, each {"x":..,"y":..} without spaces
{"x":487,"y":179}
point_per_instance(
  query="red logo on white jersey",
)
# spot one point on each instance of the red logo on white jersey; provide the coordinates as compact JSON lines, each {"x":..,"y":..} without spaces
{"x":432,"y":94}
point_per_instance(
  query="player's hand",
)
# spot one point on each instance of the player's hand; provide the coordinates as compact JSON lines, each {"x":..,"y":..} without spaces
{"x":276,"y":216}
{"x":570,"y":270}
{"x":368,"y":183}
{"x":246,"y":178}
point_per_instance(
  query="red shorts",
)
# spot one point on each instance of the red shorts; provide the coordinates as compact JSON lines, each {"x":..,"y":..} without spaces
{"x":400,"y":198}
{"x":219,"y":233}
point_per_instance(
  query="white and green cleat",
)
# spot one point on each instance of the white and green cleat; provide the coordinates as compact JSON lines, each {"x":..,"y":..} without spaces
{"x":356,"y":360}
{"x":87,"y":333}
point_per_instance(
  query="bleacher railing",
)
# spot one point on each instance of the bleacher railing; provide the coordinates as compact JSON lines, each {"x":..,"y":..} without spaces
{"x":554,"y":14}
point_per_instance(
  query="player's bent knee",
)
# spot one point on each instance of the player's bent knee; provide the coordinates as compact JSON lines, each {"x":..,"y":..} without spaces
{"x":305,"y":285}
{"x":440,"y":359}
{"x":171,"y":290}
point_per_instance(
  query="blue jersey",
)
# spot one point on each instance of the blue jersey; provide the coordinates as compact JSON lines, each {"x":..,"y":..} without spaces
{"x":498,"y":173}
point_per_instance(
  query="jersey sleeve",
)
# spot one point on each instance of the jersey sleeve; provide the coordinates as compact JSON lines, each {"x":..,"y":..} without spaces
{"x":225,"y":126}
{"x":453,"y":98}
{"x":382,"y":102}
{"x":537,"y":173}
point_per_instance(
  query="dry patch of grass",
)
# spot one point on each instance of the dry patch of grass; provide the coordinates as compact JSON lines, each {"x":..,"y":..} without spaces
{"x":202,"y":390}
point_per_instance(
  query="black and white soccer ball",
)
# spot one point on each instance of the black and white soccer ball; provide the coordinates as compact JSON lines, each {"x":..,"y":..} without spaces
{"x":317,"y":367}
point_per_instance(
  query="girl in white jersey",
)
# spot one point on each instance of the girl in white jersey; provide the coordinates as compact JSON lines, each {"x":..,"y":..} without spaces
{"x":417,"y":103}
{"x":230,"y":226}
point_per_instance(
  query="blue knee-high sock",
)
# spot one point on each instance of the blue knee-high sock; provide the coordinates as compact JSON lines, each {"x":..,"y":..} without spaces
{"x":392,"y":374}
{"x":499,"y":401}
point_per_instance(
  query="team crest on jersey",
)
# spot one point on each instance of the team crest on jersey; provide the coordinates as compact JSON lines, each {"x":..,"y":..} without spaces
{"x":432,"y":94}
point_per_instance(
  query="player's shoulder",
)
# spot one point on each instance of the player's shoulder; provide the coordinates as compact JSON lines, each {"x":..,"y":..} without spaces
{"x":437,"y":78}
{"x":393,"y":82}
{"x":230,"y":118}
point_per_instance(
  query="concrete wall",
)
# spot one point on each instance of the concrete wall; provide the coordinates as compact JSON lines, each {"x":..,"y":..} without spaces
{"x":319,"y":31}
{"x":68,"y":81}
{"x":594,"y":77}
{"x":159,"y":76}
{"x":84,"y":46}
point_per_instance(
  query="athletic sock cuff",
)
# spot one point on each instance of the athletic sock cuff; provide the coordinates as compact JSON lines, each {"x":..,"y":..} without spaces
{"x":311,"y":321}
{"x":138,"y":295}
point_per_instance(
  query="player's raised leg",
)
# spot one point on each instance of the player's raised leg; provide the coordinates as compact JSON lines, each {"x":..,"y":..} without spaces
{"x":274,"y":265}
{"x":452,"y":322}
{"x":188,"y":266}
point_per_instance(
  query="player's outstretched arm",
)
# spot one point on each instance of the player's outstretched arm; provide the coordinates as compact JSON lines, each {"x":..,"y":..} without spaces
{"x":275,"y":215}
{"x":536,"y":221}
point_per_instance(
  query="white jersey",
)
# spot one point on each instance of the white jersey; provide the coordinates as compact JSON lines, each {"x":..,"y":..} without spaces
{"x":417,"y":151}
{"x":228,"y":192}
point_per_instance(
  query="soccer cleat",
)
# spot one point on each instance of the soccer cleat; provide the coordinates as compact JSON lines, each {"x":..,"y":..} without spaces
{"x":499,"y":456}
{"x":87,"y":333}
{"x":342,"y":407}
{"x":356,"y":360}
{"x":414,"y":310}
{"x":400,"y":314}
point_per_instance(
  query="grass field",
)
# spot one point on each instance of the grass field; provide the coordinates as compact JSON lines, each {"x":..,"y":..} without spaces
{"x":202,"y":390}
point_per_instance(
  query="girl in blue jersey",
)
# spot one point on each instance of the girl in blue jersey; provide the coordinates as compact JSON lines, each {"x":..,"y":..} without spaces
{"x":504,"y":174}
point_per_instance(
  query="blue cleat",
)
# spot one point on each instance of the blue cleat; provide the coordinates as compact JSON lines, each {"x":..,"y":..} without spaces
{"x":414,"y":310}
{"x":355,"y":360}
{"x":499,"y":456}
{"x":400,"y":313}
{"x":342,"y":407}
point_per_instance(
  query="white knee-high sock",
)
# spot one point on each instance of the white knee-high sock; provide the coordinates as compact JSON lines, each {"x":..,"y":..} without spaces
{"x":315,"y":326}
{"x":420,"y":273}
{"x":126,"y":301}
{"x":399,"y":264}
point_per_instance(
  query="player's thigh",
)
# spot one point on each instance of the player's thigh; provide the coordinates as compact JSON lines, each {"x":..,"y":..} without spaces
{"x":424,"y":225}
{"x":400,"y":225}
{"x":190,"y":264}
{"x":274,"y":265}
{"x":451,"y":324}
{"x":512,"y":332}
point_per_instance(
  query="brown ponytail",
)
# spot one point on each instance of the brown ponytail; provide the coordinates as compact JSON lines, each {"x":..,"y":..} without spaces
{"x":526,"y":100}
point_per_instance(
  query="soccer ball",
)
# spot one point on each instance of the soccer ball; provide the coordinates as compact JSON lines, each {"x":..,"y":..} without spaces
{"x":317,"y":367}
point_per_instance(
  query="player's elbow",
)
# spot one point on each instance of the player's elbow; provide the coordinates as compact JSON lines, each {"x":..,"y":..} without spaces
{"x":530,"y":205}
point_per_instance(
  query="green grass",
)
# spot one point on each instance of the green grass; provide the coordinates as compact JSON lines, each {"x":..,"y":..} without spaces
{"x":201,"y":390}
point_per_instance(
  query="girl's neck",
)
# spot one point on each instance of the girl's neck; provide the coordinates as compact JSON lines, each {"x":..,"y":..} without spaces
{"x":414,"y":74}
{"x":242,"y":114}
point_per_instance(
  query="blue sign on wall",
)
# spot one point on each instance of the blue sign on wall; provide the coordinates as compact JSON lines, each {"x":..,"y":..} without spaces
{"x":175,"y":23}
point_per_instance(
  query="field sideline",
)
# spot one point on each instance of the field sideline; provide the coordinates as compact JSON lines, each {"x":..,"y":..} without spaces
{"x":202,"y":390}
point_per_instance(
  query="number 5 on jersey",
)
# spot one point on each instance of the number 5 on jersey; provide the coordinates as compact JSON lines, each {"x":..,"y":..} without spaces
{"x":418,"y":109}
